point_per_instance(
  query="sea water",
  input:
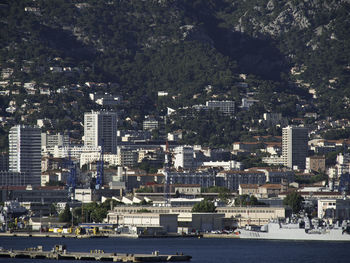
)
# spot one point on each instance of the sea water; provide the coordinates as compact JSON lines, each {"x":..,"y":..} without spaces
{"x":202,"y":250}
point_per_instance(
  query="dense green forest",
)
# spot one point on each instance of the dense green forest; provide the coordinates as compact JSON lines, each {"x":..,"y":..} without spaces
{"x":181,"y":47}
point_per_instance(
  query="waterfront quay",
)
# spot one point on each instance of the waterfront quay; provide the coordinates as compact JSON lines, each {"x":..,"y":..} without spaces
{"x":59,"y":252}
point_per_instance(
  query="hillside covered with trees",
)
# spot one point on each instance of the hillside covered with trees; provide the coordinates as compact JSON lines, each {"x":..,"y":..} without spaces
{"x":292,"y":53}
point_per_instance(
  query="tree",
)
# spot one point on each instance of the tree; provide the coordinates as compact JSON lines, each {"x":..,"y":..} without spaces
{"x":65,"y":215}
{"x":53,"y":210}
{"x":205,"y":206}
{"x":294,"y":200}
{"x":245,"y":200}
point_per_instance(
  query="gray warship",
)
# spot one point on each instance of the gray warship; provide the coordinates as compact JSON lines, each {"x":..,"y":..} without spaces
{"x":303,"y":229}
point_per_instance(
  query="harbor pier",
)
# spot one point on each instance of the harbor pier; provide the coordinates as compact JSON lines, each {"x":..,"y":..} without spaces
{"x":59,"y":252}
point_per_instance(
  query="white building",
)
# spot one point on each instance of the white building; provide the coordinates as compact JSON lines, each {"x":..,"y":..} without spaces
{"x":272,"y":119}
{"x":294,"y":146}
{"x":49,"y":141}
{"x":184,"y":157}
{"x":90,"y":157}
{"x":141,"y":222}
{"x":150,"y":124}
{"x":248,"y":102}
{"x":25,"y":152}
{"x":202,"y":179}
{"x":73,"y":151}
{"x":101,"y":126}
{"x":229,"y":165}
{"x":226,"y":106}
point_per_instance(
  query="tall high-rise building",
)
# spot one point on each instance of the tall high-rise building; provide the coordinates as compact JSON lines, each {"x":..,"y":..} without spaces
{"x":25,"y":152}
{"x":98,"y":126}
{"x":294,"y":146}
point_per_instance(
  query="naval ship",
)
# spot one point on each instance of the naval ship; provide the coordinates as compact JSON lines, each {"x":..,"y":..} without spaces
{"x":300,"y":230}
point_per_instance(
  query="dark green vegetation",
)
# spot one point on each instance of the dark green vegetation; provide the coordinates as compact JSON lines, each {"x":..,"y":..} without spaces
{"x":204,"y":206}
{"x":246,"y":200}
{"x":294,"y":200}
{"x":178,"y":46}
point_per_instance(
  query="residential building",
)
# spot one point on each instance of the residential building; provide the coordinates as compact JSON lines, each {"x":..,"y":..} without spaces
{"x":294,"y":146}
{"x":227,"y":107}
{"x":203,"y":179}
{"x":248,"y":189}
{"x":8,"y":178}
{"x":270,"y":190}
{"x":4,"y":162}
{"x":49,"y":141}
{"x":105,"y":99}
{"x":90,"y":157}
{"x":25,"y":152}
{"x":127,"y":157}
{"x":273,"y":119}
{"x":150,"y":124}
{"x":101,"y":126}
{"x":73,"y":151}
{"x":248,"y":102}
{"x":184,"y":157}
{"x":232,"y":179}
{"x":316,"y":163}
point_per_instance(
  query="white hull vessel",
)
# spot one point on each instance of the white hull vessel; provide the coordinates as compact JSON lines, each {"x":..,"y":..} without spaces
{"x":279,"y":231}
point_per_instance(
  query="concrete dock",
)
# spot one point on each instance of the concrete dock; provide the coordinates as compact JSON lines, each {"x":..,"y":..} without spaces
{"x":59,"y":252}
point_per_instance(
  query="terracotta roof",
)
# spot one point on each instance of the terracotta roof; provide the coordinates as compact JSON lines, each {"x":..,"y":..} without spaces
{"x":249,"y":186}
{"x":241,"y":172}
{"x":271,"y":186}
{"x":317,"y":157}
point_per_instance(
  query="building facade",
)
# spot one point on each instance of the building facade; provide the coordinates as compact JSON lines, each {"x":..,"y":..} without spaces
{"x":184,"y":157}
{"x":101,"y":126}
{"x":227,"y":107}
{"x":25,"y":152}
{"x":294,"y":146}
{"x":49,"y":141}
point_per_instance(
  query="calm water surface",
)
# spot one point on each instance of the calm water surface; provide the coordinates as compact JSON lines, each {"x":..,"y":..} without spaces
{"x":202,"y":250}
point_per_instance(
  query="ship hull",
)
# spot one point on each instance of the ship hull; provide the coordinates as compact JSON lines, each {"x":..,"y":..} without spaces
{"x":296,"y":234}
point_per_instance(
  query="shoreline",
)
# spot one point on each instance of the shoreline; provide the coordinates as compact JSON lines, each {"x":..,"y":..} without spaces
{"x":55,"y":235}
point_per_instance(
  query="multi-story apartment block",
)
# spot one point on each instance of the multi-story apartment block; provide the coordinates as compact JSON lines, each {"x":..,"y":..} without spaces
{"x":183,"y":157}
{"x":199,"y":178}
{"x":49,"y":141}
{"x":101,"y":126}
{"x":294,"y":146}
{"x":227,"y":107}
{"x":25,"y":152}
{"x":232,"y":179}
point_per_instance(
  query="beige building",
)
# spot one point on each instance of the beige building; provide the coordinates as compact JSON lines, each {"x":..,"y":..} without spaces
{"x":316,"y":163}
{"x":137,"y":222}
{"x":189,"y":189}
{"x":269,"y":190}
{"x":248,"y":189}
{"x":243,"y":215}
{"x":202,"y":222}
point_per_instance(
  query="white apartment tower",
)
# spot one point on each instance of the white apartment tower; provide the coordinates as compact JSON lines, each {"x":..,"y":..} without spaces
{"x":183,"y":157}
{"x":98,"y":126}
{"x":25,"y":152}
{"x":294,"y":146}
